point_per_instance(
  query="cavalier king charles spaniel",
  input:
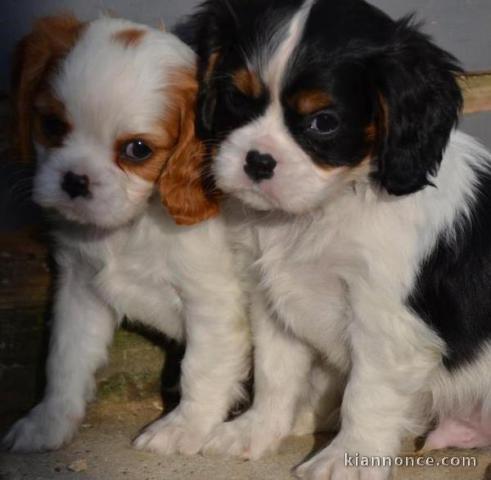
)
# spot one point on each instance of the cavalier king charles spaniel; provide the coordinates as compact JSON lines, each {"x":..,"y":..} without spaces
{"x":108,"y":108}
{"x":367,"y":218}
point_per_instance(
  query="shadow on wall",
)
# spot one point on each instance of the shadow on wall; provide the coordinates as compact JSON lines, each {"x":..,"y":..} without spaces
{"x":16,"y":207}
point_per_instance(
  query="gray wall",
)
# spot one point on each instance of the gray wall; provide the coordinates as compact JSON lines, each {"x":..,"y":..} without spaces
{"x":461,"y":26}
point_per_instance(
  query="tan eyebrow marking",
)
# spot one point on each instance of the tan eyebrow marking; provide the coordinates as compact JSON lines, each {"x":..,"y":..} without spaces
{"x":130,"y":37}
{"x":310,"y":101}
{"x":247,"y":82}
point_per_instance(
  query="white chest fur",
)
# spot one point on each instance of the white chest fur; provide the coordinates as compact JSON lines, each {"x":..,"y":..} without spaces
{"x":143,"y":270}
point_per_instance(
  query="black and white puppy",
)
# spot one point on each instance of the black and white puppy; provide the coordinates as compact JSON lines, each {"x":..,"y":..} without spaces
{"x":368,"y":220}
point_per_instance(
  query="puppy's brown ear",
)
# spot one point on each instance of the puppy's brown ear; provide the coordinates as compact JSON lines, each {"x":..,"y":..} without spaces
{"x":35,"y":57}
{"x":184,"y":186}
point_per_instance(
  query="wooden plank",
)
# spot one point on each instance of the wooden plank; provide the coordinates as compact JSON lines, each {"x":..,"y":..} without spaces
{"x":24,"y":274}
{"x":477,"y":92}
{"x":25,"y":289}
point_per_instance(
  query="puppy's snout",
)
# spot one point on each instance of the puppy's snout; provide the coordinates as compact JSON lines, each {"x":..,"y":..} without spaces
{"x":76,"y":185}
{"x":259,"y":166}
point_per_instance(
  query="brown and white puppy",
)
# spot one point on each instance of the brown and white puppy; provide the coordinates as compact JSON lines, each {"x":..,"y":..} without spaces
{"x":109,"y":108}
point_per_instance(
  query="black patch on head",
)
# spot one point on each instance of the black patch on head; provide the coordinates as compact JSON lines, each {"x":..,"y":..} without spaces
{"x":351,"y":103}
{"x":332,"y":55}
{"x":383,"y":76}
{"x":453,"y":290}
{"x":394,"y":91}
{"x":228,"y":33}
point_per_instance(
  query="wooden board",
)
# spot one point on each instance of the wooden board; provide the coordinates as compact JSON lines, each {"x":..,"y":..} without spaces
{"x":477,"y":92}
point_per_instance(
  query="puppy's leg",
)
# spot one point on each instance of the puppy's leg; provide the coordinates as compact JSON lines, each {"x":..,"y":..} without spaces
{"x":319,"y":406}
{"x":393,"y":358}
{"x":281,"y":365}
{"x":215,"y":364}
{"x":82,"y":329}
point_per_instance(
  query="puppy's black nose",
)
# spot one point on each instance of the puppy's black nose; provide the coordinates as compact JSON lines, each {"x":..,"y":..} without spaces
{"x":76,"y":185}
{"x":259,"y":166}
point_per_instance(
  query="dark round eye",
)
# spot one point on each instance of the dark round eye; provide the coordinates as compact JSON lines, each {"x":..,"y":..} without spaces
{"x":54,"y":127}
{"x":136,"y":151}
{"x":324,"y":123}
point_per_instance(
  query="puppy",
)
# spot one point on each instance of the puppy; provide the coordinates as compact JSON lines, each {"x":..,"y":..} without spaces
{"x":367,"y":220}
{"x":109,"y":107}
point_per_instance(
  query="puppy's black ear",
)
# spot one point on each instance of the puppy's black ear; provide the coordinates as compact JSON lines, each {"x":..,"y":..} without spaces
{"x":420,"y":102}
{"x":214,"y":26}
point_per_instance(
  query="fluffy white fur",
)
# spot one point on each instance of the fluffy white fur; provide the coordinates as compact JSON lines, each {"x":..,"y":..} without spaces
{"x":333,"y":258}
{"x":331,"y":284}
{"x":125,"y":256}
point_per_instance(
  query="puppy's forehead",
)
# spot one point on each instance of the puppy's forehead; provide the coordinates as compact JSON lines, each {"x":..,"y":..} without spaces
{"x":117,"y":73}
{"x":262,"y":30}
{"x":299,"y":35}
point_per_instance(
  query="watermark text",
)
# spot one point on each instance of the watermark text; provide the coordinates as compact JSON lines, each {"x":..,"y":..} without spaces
{"x":410,"y":461}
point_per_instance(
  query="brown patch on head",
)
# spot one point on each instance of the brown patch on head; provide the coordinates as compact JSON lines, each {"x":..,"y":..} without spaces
{"x":178,"y":164}
{"x":36,"y":57}
{"x":212,"y":64}
{"x":307,"y":102}
{"x":130,"y":37}
{"x":207,"y":96}
{"x":384,"y":116}
{"x":247,"y":82}
{"x":376,"y":131}
{"x":371,"y":133}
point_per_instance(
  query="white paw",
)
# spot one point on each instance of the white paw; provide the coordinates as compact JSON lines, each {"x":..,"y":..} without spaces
{"x":333,"y":464}
{"x":246,"y":437}
{"x":45,"y":427}
{"x":171,"y":434}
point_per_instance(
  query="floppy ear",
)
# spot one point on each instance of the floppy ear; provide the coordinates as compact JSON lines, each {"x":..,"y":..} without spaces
{"x":34,"y":58}
{"x":185,"y":184}
{"x":214,"y":26}
{"x":419,"y":105}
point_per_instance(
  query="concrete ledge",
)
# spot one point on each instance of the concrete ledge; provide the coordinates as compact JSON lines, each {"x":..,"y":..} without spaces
{"x":102,"y":451}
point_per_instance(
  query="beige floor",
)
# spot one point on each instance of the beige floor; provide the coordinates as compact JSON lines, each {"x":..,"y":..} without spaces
{"x":102,"y":451}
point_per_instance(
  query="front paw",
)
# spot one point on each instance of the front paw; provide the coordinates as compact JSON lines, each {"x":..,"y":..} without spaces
{"x":334,"y":463}
{"x":45,"y":427}
{"x":172,"y":434}
{"x":245,"y":437}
